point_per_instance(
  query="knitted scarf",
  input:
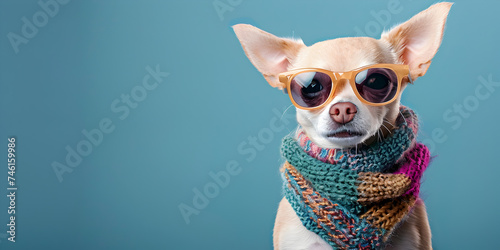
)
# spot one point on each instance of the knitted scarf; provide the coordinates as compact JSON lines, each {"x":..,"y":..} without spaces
{"x":354,"y":198}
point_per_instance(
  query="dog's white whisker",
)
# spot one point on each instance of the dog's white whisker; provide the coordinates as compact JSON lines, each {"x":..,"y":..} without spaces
{"x":401,"y":114}
{"x":387,"y":120}
{"x":389,"y":131}
{"x":284,"y":112}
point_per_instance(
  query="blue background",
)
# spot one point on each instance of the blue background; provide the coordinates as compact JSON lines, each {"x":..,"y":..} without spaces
{"x":126,"y":193}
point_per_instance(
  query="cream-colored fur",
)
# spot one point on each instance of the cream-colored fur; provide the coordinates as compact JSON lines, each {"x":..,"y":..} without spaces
{"x":413,"y":43}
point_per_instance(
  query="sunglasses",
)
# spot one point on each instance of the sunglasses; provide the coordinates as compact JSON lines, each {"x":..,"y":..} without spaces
{"x":375,"y":85}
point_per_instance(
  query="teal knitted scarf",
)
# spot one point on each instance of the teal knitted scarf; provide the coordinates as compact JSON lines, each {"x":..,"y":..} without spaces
{"x":353,"y":198}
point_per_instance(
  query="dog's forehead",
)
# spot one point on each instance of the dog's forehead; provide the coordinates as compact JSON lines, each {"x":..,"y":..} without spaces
{"x":344,"y":54}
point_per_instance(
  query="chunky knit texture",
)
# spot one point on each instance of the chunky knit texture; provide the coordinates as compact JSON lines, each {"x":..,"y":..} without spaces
{"x":354,"y":198}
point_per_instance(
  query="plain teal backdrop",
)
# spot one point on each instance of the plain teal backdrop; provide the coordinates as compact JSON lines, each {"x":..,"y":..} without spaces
{"x":127,"y":192}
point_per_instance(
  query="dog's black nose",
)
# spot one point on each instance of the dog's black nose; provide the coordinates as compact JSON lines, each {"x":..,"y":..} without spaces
{"x":343,"y":112}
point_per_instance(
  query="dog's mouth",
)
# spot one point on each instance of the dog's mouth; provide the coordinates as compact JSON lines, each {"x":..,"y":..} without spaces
{"x":344,"y":133}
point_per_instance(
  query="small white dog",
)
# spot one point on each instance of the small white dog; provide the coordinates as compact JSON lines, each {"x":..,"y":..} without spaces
{"x":336,"y":113}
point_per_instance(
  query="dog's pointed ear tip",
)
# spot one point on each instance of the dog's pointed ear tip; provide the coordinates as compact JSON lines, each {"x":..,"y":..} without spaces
{"x":445,"y":5}
{"x":243,"y":30}
{"x":237,"y":27}
{"x":241,"y":26}
{"x":448,"y":4}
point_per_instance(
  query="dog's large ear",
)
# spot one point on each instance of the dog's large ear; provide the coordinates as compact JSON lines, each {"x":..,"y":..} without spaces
{"x":417,"y":40}
{"x":271,"y":55}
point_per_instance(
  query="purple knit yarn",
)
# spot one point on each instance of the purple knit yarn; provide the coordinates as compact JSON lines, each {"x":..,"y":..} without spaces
{"x":417,"y":160}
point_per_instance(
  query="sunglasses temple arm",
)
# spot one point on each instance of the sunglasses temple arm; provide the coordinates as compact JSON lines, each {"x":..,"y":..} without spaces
{"x":282,"y":79}
{"x":409,"y":77}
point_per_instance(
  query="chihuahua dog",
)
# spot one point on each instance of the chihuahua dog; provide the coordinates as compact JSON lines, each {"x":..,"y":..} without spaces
{"x":342,"y":119}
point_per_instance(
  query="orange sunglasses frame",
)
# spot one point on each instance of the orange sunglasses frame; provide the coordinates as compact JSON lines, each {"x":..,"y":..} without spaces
{"x":402,"y":71}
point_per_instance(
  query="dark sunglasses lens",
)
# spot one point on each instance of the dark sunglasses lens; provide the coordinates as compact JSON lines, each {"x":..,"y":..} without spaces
{"x":377,"y":85}
{"x":311,"y":89}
